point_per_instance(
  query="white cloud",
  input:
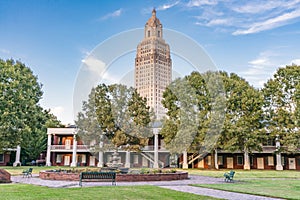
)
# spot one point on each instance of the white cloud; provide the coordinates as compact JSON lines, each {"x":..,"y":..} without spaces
{"x":58,"y":110}
{"x":270,"y":23}
{"x":262,"y":6}
{"x":167,"y":6}
{"x":295,"y":61}
{"x":259,"y":61}
{"x":98,"y":69}
{"x":215,"y":22}
{"x":261,"y":69}
{"x":198,"y":3}
{"x":114,"y":14}
{"x":5,"y":51}
{"x":94,"y":65}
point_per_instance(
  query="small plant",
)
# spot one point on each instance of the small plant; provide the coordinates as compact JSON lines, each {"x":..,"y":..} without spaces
{"x":145,"y":171}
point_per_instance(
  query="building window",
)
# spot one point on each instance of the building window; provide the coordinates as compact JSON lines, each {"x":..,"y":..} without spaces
{"x":1,"y":158}
{"x":251,"y":160}
{"x":240,"y":160}
{"x":135,"y":159}
{"x":58,"y":158}
{"x":148,"y":33}
{"x":282,"y":160}
{"x":270,"y":160}
{"x":158,"y":34}
{"x":220,"y":160}
{"x":208,"y":161}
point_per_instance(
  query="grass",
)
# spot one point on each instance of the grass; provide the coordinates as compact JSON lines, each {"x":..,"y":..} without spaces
{"x":246,"y":174}
{"x":282,"y":188}
{"x":36,"y":169}
{"x":32,"y":192}
{"x":282,"y":184}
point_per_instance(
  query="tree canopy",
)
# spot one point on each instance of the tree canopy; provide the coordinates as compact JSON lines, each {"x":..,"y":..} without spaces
{"x":195,"y":106}
{"x":20,"y":94}
{"x":281,"y":106}
{"x":119,"y":114}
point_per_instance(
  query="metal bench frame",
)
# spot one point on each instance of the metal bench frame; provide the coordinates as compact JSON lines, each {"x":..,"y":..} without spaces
{"x":229,"y":176}
{"x":27,"y":173}
{"x":108,"y":176}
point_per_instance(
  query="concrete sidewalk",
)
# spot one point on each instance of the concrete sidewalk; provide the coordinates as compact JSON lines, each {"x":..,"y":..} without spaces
{"x":180,"y":185}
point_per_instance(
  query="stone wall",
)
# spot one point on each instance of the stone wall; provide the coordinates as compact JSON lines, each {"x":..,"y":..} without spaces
{"x":59,"y":176}
{"x":4,"y":176}
{"x":120,"y":177}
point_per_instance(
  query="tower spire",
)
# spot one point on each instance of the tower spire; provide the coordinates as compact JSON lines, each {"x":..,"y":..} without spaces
{"x":153,"y":12}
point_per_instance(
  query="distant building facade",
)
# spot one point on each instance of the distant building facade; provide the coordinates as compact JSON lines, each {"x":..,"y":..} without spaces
{"x":153,"y":65}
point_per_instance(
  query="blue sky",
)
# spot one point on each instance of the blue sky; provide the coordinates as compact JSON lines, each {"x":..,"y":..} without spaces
{"x":53,"y":37}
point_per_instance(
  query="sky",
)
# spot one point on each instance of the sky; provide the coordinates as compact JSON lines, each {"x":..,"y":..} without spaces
{"x":55,"y":37}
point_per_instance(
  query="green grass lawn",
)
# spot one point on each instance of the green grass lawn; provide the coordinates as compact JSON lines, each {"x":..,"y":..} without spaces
{"x":282,"y":184}
{"x":36,"y":169}
{"x":245,"y":174}
{"x":32,"y":192}
{"x":282,"y":188}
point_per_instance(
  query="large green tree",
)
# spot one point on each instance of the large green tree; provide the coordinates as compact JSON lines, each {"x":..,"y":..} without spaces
{"x":243,"y":120}
{"x":20,"y":94}
{"x":195,"y":106}
{"x":22,"y":120}
{"x":89,"y":130}
{"x":35,"y":141}
{"x":122,"y":115}
{"x":281,"y":106}
{"x":203,"y":107}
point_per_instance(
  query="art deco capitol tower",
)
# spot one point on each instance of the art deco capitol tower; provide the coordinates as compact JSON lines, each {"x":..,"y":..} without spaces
{"x":153,"y":65}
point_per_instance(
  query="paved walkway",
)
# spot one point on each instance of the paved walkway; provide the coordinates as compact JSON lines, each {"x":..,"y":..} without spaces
{"x":181,"y":185}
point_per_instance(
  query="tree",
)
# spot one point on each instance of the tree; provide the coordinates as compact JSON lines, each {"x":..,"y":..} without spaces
{"x":89,"y":130}
{"x":222,"y":105}
{"x":20,"y":94}
{"x":281,"y":106}
{"x":122,"y":115}
{"x":195,"y":105}
{"x":243,"y":121}
{"x":35,"y":141}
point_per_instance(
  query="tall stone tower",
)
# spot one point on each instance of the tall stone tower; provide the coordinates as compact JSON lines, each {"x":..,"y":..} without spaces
{"x":153,"y":65}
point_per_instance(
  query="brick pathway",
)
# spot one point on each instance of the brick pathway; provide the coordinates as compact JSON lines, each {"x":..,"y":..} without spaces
{"x":181,"y":185}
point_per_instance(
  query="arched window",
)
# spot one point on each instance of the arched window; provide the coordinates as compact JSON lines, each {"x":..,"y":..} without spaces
{"x":148,"y":33}
{"x":158,"y":34}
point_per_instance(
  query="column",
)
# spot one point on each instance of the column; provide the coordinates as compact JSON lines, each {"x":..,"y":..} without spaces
{"x":100,"y":159}
{"x":127,"y":161}
{"x":246,"y":160}
{"x":74,"y":164}
{"x":18,"y":153}
{"x":185,"y":164}
{"x":278,"y":155}
{"x":155,"y":164}
{"x":216,"y":159}
{"x":48,"y":157}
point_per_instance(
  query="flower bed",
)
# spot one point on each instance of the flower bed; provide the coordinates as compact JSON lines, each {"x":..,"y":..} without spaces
{"x":159,"y":175}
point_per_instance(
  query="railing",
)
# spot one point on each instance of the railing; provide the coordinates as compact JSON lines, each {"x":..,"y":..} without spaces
{"x":151,"y":148}
{"x":88,"y":147}
{"x":68,"y":147}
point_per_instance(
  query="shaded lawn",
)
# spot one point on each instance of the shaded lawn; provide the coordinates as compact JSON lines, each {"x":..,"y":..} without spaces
{"x":36,"y":169}
{"x":244,"y":174}
{"x":282,"y":188}
{"x":32,"y":192}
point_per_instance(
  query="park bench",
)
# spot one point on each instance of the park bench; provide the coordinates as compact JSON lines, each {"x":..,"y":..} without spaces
{"x":27,"y":173}
{"x":229,"y":176}
{"x":97,"y":176}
